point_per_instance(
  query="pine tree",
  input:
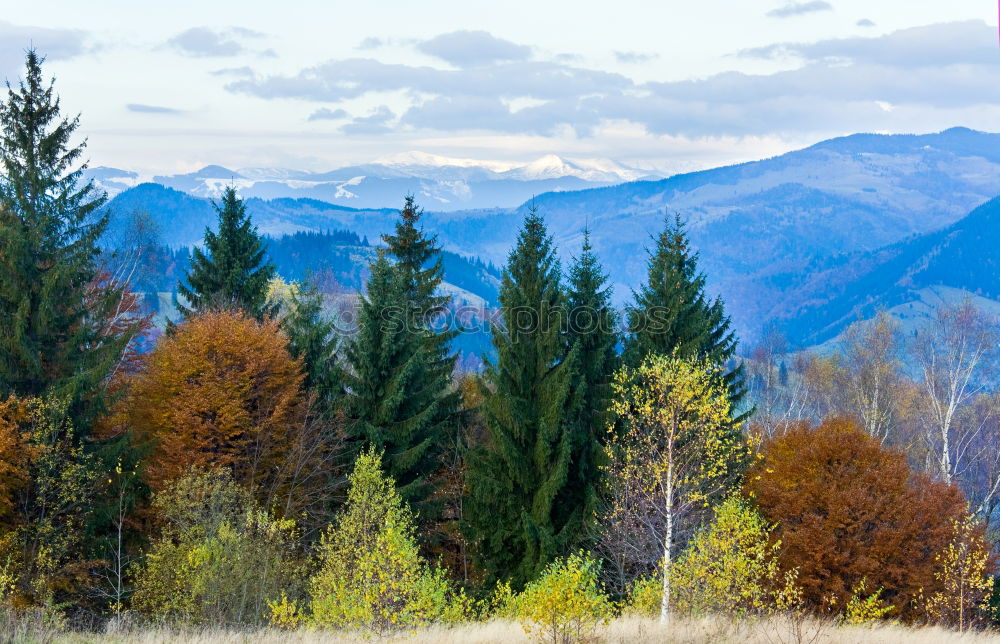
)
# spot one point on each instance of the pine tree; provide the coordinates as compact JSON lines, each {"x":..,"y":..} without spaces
{"x":392,"y":399}
{"x":234,"y":272}
{"x":312,"y":337}
{"x":55,"y":314}
{"x":516,"y":481}
{"x":400,"y":396}
{"x":673,"y":316}
{"x":418,"y":266}
{"x":593,"y":329}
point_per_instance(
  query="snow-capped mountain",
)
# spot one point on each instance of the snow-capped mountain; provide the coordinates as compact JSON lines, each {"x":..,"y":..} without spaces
{"x":439,"y":183}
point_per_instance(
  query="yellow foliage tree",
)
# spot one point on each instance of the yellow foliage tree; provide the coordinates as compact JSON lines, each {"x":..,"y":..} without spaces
{"x":566,"y":603}
{"x":220,"y":559}
{"x":672,"y":454}
{"x":371,"y":576}
{"x":729,"y":567}
{"x":963,"y":573}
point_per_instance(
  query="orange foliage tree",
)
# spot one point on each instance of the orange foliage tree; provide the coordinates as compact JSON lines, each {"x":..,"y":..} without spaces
{"x":850,"y":511}
{"x":222,"y":390}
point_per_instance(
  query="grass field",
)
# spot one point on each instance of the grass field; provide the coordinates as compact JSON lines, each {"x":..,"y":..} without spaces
{"x":620,"y":631}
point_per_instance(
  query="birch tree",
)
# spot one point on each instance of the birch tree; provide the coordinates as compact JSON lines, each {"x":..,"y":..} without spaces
{"x":953,"y":355}
{"x":673,"y":452}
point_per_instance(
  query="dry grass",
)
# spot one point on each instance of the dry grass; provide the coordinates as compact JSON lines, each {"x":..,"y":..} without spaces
{"x":620,"y":631}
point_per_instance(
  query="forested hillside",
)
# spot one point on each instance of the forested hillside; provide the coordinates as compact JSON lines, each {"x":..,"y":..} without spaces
{"x":348,"y":429}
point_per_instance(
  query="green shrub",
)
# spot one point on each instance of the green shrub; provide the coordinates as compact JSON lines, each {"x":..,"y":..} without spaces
{"x":371,"y":576}
{"x":730,"y":567}
{"x":566,"y":603}
{"x":219,"y":560}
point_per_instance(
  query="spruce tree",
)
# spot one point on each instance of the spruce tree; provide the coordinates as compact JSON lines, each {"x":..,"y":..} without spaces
{"x":232,"y":271}
{"x":400,"y":397}
{"x":312,"y":337}
{"x":593,"y":329}
{"x":672,"y":313}
{"x":417,"y":264}
{"x":55,"y":312}
{"x":516,"y":481}
{"x":393,"y":398}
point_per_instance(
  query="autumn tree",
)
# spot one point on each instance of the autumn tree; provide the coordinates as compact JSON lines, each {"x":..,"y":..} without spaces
{"x":849,"y":511}
{"x":675,"y":452}
{"x":219,"y":558}
{"x":963,"y":573}
{"x":730,"y":566}
{"x":51,"y":481}
{"x":371,"y":577}
{"x":222,"y":391}
{"x":871,"y":375}
{"x":953,"y":354}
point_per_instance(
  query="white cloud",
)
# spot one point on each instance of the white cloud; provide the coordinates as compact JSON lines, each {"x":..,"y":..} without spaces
{"x":800,"y":8}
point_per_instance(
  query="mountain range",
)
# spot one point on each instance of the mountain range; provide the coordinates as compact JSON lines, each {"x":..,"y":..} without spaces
{"x":809,"y":240}
{"x":441,"y":183}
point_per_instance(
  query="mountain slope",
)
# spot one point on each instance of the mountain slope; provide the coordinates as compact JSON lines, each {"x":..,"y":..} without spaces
{"x":761,"y":227}
{"x":958,"y":261}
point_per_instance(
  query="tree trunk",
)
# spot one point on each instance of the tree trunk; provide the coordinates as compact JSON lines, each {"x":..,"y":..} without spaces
{"x":667,"y":541}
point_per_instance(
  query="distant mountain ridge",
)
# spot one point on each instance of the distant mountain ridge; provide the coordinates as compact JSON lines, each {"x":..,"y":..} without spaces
{"x":762,"y":228}
{"x":442,"y":183}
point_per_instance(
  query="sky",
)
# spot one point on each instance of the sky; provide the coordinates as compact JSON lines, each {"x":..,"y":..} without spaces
{"x":665,"y":86}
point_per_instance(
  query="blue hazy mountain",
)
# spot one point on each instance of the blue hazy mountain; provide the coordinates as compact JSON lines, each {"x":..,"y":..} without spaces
{"x":761,"y":227}
{"x":440,"y":183}
{"x":908,"y":279}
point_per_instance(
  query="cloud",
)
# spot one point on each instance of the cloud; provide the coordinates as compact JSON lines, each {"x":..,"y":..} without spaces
{"x":242,"y":72}
{"x":865,"y":22}
{"x":931,"y":77}
{"x":370,"y":42}
{"x":634,"y":57}
{"x":376,"y":123}
{"x":204,"y":42}
{"x":473,"y":48}
{"x":954,"y":43}
{"x":326,"y":114}
{"x":53,"y":44}
{"x":151,"y":109}
{"x":799,"y":8}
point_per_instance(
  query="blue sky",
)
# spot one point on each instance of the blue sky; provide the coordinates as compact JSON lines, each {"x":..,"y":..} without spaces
{"x":670,"y":85}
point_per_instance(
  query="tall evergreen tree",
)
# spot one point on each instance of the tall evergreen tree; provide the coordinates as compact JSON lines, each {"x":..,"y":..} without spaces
{"x":400,"y":397}
{"x":418,"y":267}
{"x":671,"y":312}
{"x":593,"y":328}
{"x":392,"y":399}
{"x":55,"y":314}
{"x":312,"y":337}
{"x":517,"y":481}
{"x":232,"y":271}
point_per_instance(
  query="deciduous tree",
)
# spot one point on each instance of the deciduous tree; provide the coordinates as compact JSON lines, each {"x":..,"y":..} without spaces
{"x":850,"y":511}
{"x":222,"y":391}
{"x":674,"y":453}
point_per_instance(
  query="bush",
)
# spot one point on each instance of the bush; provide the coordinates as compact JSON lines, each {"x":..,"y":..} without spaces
{"x":566,"y":603}
{"x":219,"y":560}
{"x":371,"y":576}
{"x":730,"y":567}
